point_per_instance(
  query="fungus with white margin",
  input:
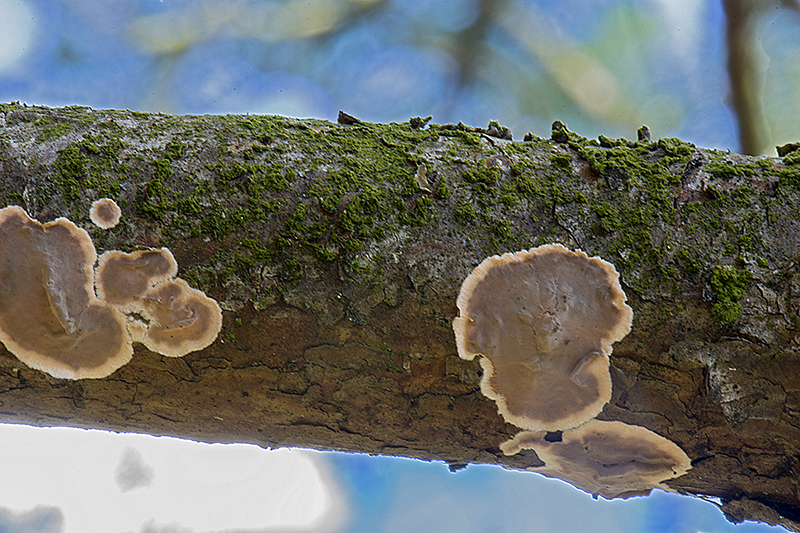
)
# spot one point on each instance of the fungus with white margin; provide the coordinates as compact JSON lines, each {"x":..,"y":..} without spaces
{"x":105,"y":213}
{"x":181,"y":319}
{"x":50,"y":317}
{"x":544,"y":320}
{"x":164,"y":314}
{"x":609,"y":459}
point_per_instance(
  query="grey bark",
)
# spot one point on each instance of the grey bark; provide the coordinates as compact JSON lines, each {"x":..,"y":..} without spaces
{"x":337,"y":252}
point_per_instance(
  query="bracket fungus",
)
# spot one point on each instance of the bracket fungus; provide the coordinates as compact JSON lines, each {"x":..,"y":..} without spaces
{"x":182,"y":319}
{"x":543,"y":321}
{"x":52,"y":320}
{"x":50,"y":317}
{"x":124,"y":278}
{"x":164,"y":314}
{"x":609,"y":459}
{"x":105,"y":213}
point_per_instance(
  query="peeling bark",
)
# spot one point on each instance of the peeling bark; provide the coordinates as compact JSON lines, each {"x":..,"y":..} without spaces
{"x":337,"y":252}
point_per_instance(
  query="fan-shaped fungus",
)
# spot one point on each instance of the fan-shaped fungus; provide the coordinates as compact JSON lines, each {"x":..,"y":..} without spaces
{"x":544,"y":320}
{"x":49,"y":315}
{"x":124,"y":278}
{"x":164,"y":314}
{"x":182,"y":319}
{"x":609,"y":459}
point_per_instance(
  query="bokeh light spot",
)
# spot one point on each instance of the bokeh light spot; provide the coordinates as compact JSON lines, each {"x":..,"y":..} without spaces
{"x":17,"y":28}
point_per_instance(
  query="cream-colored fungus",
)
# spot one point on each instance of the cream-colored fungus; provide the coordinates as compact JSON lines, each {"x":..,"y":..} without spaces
{"x":608,"y":459}
{"x":124,"y":278}
{"x":49,"y":315}
{"x":51,"y":319}
{"x":164,"y":314}
{"x":543,"y":321}
{"x":105,"y":213}
{"x":182,"y":319}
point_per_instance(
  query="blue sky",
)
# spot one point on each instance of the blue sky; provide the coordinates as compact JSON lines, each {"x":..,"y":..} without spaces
{"x":401,"y":495}
{"x":657,"y":62}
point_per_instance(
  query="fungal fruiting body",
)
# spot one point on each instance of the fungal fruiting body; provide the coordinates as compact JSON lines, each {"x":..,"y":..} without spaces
{"x":164,"y":314}
{"x":50,"y":317}
{"x":543,"y":321}
{"x":105,"y":213}
{"x":608,"y":459}
{"x":52,"y":320}
{"x":123,"y":278}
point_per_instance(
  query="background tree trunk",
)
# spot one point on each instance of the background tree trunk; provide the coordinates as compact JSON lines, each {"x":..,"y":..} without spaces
{"x":337,"y":252}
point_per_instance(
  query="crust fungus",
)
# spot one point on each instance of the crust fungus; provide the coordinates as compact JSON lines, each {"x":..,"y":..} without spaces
{"x":544,"y":321}
{"x":609,"y":459}
{"x":105,"y":213}
{"x":50,"y":317}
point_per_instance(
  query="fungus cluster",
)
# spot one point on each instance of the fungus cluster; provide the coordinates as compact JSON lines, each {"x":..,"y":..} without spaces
{"x":164,"y":314}
{"x":543,"y":321}
{"x":52,"y":320}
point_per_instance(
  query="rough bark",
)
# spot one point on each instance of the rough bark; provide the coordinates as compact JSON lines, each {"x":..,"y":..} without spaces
{"x":337,"y":252}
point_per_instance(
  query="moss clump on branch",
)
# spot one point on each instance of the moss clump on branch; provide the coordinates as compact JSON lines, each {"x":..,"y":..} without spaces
{"x":277,"y":201}
{"x":729,"y":285}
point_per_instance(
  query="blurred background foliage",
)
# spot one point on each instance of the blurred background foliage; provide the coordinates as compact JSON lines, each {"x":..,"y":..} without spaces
{"x":601,"y":66}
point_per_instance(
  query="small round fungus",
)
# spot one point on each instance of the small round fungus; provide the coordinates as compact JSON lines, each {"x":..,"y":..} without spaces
{"x":182,"y":319}
{"x":49,"y":315}
{"x":105,"y":213}
{"x":124,"y":278}
{"x":544,"y":320}
{"x":609,"y":459}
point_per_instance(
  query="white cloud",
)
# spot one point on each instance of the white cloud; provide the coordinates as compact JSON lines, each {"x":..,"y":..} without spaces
{"x":179,"y":485}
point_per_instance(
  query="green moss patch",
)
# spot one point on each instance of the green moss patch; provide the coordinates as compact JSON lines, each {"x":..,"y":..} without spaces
{"x":729,"y":285}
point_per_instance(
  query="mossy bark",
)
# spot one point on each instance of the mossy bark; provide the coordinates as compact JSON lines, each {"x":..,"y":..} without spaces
{"x":337,"y":252}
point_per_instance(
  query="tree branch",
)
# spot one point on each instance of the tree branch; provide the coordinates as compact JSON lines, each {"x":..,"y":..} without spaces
{"x":337,"y":253}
